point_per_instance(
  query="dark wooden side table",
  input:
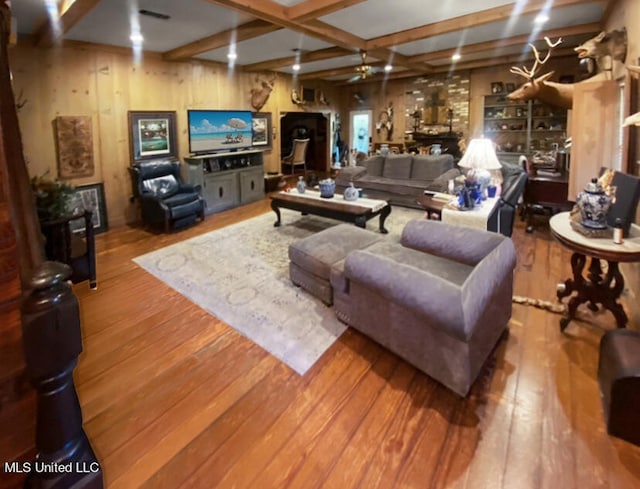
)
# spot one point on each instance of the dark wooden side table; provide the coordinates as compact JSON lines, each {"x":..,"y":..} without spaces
{"x":593,"y":288}
{"x":545,"y":193}
{"x":432,"y":206}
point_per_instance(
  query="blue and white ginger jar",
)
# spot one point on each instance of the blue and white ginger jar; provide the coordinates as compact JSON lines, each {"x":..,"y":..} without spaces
{"x":594,"y":204}
{"x":327,"y":188}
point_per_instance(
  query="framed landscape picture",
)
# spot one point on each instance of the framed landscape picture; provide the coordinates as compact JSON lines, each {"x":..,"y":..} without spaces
{"x":89,"y":197}
{"x":153,"y":135}
{"x":262,"y":130}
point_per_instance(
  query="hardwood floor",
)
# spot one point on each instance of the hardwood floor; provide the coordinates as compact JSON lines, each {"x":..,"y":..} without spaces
{"x":172,"y":397}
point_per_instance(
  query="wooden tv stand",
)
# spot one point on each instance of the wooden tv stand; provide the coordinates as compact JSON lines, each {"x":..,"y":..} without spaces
{"x":228,"y":179}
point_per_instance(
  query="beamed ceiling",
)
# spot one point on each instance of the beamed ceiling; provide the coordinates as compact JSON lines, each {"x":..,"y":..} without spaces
{"x":325,"y":37}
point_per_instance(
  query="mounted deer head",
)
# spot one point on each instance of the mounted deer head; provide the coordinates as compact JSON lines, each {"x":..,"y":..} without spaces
{"x":259,"y":96}
{"x":540,"y":88}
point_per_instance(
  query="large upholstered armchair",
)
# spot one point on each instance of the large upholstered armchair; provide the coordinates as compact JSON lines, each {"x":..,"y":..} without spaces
{"x":164,"y":200}
{"x":440,"y":298}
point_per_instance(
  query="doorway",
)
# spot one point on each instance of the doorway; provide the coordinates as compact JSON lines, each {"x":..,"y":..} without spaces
{"x":360,"y":130}
{"x":303,"y":125}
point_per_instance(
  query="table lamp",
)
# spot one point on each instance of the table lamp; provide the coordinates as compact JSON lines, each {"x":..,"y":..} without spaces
{"x":481,"y":161}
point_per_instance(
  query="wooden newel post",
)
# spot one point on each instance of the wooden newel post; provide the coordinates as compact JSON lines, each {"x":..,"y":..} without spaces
{"x":52,"y":343}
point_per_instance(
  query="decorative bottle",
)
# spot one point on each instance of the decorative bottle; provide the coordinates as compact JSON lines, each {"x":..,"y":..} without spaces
{"x":618,"y":232}
{"x":351,"y":193}
{"x":301,"y":186}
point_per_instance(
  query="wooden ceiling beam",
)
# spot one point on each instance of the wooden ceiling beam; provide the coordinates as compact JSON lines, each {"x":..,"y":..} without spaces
{"x":312,"y":9}
{"x":463,"y":22}
{"x":48,"y":33}
{"x":309,"y":57}
{"x":275,"y":13}
{"x":504,"y":60}
{"x":501,"y":43}
{"x":243,"y":32}
{"x":345,"y":70}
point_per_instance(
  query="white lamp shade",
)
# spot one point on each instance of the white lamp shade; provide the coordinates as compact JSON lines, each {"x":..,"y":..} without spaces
{"x":480,"y":155}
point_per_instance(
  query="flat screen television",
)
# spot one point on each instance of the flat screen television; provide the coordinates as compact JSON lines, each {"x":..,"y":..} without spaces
{"x":212,"y":131}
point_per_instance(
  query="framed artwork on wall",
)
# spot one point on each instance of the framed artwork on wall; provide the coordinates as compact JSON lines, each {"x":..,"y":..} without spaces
{"x":74,"y":142}
{"x":262,"y":130}
{"x":89,"y":197}
{"x":152,"y":135}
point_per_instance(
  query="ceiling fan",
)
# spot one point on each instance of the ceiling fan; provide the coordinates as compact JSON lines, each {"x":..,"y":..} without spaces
{"x":364,"y":70}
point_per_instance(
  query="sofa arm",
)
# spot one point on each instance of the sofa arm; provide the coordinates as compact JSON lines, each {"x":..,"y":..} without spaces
{"x":408,"y":287}
{"x":454,"y":242}
{"x":486,"y":284}
{"x":350,"y":174}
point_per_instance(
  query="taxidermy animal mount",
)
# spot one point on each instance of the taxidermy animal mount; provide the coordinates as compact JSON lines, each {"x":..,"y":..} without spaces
{"x":260,"y":95}
{"x":295,"y":98}
{"x":606,"y":49}
{"x":612,"y":46}
{"x":540,"y":88}
{"x":633,"y":119}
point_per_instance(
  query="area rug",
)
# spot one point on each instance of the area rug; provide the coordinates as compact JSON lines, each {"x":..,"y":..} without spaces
{"x":240,"y":274}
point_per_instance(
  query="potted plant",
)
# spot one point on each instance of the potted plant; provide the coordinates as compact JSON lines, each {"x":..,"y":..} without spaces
{"x":52,"y":198}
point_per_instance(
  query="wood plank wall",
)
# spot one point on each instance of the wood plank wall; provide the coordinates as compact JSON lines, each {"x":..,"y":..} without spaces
{"x":106,"y":83}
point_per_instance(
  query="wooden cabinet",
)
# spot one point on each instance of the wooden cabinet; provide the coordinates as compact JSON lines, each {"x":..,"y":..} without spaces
{"x":545,"y":194}
{"x":226,"y":180}
{"x":523,"y":128}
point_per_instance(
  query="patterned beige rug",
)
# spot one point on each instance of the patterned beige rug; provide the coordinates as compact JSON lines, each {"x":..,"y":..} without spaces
{"x":240,"y":274}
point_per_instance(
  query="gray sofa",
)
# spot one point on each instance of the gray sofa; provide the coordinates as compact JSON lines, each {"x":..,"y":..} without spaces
{"x":439,"y":297}
{"x":399,"y":178}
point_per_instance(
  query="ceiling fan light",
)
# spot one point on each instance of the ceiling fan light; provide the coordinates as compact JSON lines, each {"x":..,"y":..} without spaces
{"x":232,"y":56}
{"x":388,"y":68}
{"x":136,"y":38}
{"x":296,"y":67}
{"x":456,"y":57}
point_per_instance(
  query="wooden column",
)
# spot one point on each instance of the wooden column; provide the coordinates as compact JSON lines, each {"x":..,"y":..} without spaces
{"x":20,"y":252}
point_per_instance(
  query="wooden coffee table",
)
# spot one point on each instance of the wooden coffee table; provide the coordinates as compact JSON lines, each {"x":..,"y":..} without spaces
{"x":310,"y":202}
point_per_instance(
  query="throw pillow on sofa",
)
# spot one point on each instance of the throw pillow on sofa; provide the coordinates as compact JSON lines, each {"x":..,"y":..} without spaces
{"x":373,"y":165}
{"x":397,"y":166}
{"x":430,"y":167}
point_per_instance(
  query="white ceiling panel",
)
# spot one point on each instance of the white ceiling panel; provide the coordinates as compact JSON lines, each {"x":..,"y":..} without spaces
{"x":278,"y":44}
{"x":578,"y":15}
{"x":111,"y":21}
{"x":29,"y":15}
{"x":376,"y":18}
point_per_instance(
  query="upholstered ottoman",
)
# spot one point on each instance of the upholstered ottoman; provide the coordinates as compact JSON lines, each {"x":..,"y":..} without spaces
{"x":311,"y":258}
{"x":619,"y":378}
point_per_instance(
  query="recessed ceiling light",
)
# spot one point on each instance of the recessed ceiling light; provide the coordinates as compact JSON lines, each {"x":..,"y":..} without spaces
{"x":136,"y":38}
{"x":388,"y":68}
{"x":541,"y":18}
{"x":296,"y":67}
{"x":455,"y":57}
